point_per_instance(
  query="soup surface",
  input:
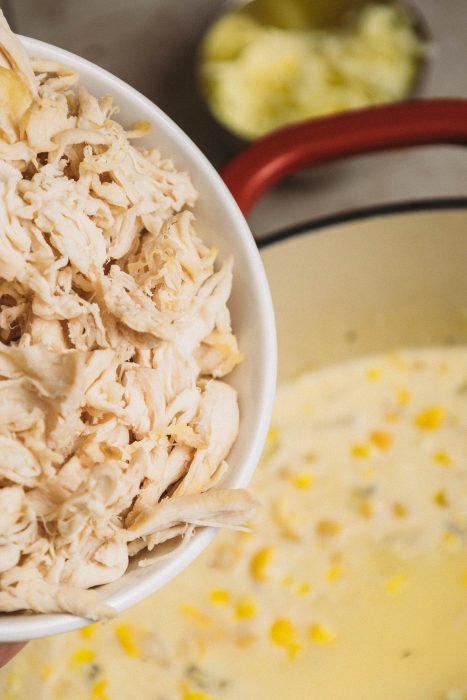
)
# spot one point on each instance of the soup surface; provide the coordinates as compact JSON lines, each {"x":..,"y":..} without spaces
{"x":352,"y":583}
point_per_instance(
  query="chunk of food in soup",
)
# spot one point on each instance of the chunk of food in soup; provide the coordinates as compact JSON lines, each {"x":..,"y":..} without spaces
{"x":352,"y":583}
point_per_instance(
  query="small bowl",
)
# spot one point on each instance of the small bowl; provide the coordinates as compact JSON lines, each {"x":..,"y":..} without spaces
{"x":221,"y":222}
{"x":322,"y":15}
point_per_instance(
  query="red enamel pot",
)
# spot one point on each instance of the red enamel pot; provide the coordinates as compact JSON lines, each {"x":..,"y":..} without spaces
{"x":370,"y":280}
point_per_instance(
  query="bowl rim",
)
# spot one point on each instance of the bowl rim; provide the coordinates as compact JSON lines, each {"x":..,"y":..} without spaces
{"x":20,"y":627}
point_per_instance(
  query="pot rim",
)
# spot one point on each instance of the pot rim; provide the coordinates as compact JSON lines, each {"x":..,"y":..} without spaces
{"x":362,"y":213}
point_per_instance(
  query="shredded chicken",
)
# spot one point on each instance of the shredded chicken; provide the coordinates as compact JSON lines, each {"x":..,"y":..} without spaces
{"x":115,"y":334}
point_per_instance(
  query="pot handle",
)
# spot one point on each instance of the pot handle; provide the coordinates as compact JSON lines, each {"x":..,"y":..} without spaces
{"x":413,"y":123}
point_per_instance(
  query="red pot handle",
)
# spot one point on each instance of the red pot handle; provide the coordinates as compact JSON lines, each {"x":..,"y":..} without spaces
{"x":412,"y":123}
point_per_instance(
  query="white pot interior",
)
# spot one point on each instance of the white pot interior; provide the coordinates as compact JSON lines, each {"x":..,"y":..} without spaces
{"x":369,"y":285}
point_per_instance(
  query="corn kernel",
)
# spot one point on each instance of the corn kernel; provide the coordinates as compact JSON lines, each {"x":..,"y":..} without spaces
{"x":321,"y":635}
{"x":450,"y":537}
{"x":219,"y":597}
{"x":142,"y":126}
{"x":194,"y":614}
{"x":464,"y":579}
{"x":14,"y":683}
{"x":46,"y":672}
{"x":403,"y":396}
{"x":303,"y":588}
{"x":283,"y":633}
{"x":125,"y":637}
{"x":334,"y":573}
{"x":381,"y":439}
{"x":82,"y":656}
{"x":260,"y":562}
{"x":443,"y":458}
{"x":360,"y":451}
{"x":273,"y":436}
{"x":399,"y":510}
{"x":245,"y":608}
{"x":88,"y":632}
{"x":98,"y":690}
{"x":431,"y":418}
{"x":196,"y":695}
{"x":440,"y":499}
{"x":373,"y":374}
{"x":366,"y":509}
{"x":303,"y":480}
{"x":248,"y":533}
{"x":245,"y":535}
{"x":328,"y":528}
{"x":396,"y":584}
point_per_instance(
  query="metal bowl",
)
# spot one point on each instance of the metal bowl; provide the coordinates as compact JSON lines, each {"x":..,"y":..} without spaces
{"x":304,"y":14}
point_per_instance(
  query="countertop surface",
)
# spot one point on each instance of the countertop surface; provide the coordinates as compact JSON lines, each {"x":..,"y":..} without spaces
{"x":152,"y":44}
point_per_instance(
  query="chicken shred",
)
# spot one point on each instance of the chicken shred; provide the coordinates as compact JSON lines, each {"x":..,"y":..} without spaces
{"x":115,"y":422}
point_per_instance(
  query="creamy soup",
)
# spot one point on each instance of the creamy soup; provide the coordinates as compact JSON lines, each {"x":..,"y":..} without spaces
{"x":351,"y":583}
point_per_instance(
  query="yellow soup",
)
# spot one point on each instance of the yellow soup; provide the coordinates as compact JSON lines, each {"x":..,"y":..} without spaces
{"x":352,"y":583}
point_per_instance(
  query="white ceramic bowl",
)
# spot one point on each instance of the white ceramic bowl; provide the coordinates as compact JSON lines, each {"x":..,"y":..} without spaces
{"x":219,"y":220}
